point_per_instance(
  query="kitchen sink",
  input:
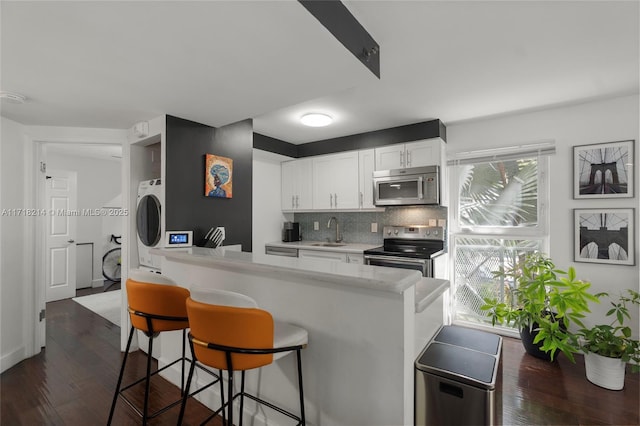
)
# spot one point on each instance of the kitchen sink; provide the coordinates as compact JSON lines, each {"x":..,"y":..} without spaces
{"x":328,"y":244}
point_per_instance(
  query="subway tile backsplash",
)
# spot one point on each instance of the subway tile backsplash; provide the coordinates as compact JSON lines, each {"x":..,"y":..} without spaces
{"x":355,"y":227}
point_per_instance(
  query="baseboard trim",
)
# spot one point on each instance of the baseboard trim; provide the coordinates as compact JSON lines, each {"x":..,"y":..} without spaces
{"x":12,"y":358}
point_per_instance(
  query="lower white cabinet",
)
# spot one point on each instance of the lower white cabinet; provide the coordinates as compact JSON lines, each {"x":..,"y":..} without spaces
{"x":336,"y":256}
{"x":324,"y":255}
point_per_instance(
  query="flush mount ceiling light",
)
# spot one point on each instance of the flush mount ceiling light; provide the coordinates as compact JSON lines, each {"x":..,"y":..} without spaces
{"x":316,"y":119}
{"x":14,"y":98}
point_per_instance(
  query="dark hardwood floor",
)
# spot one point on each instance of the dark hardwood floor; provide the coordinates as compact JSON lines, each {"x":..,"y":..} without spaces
{"x":71,"y":383}
{"x":531,"y":391}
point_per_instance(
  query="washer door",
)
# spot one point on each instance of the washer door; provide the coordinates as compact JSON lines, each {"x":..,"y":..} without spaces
{"x":148,"y":220}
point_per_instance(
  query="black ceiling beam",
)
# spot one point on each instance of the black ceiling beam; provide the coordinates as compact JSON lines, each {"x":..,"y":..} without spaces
{"x":347,"y":30}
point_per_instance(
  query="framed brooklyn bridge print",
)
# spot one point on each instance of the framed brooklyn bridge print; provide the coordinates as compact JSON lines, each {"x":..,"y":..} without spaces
{"x":603,"y":170}
{"x":604,"y":236}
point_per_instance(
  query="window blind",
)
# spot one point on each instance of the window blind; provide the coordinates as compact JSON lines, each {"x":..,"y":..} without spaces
{"x":502,"y":153}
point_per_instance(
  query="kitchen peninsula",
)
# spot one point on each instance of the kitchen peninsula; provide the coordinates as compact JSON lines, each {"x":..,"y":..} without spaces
{"x":365,"y":323}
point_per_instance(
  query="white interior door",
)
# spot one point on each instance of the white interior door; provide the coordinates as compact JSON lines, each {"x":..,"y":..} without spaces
{"x":62,"y":203}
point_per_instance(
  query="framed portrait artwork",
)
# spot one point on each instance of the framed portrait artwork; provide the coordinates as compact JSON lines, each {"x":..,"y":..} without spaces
{"x":603,"y":170}
{"x":218,"y":176}
{"x":604,"y":236}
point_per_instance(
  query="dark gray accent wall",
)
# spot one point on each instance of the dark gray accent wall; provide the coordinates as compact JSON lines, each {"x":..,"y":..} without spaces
{"x":408,"y":133}
{"x":186,"y":206}
{"x":411,"y":132}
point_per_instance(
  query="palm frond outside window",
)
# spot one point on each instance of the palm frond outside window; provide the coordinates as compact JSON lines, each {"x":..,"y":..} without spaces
{"x":500,"y":204}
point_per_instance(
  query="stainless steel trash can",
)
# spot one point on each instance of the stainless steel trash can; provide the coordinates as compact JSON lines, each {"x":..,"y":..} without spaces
{"x":455,"y":378}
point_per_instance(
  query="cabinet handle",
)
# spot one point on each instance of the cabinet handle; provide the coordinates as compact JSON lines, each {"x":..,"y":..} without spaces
{"x":408,"y":158}
{"x":361,"y":199}
{"x":297,"y":202}
{"x":401,"y":159}
{"x":293,"y":201}
{"x":335,"y":200}
{"x":330,"y":200}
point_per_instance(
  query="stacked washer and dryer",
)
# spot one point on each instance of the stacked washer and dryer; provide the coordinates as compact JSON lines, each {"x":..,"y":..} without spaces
{"x":149,"y":223}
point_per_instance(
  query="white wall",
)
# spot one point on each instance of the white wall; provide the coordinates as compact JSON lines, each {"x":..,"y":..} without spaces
{"x":267,"y":213}
{"x":12,"y":266}
{"x":99,"y":181}
{"x":595,"y":122}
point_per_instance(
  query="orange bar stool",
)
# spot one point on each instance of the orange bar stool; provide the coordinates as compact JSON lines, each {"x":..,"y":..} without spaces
{"x":156,"y":304}
{"x":229,"y":332}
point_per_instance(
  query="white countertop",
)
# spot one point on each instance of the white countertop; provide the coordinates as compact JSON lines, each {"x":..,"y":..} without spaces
{"x":392,"y":280}
{"x":321,"y":246}
{"x":428,"y":290}
{"x":373,"y":277}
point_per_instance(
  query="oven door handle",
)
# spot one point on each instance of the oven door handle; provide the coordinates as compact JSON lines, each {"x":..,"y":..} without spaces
{"x":396,"y":259}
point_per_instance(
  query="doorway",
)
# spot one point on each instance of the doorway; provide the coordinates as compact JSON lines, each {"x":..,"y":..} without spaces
{"x":94,"y":217}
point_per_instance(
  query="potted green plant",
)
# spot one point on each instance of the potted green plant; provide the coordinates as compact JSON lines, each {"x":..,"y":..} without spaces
{"x":608,"y":347}
{"x":542,"y":302}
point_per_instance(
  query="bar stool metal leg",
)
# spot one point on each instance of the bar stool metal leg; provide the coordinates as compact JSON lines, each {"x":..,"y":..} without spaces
{"x":147,"y":386}
{"x":184,"y":335}
{"x":185,"y":396}
{"x":242,"y":398}
{"x":124,"y":362}
{"x":302,"y":418}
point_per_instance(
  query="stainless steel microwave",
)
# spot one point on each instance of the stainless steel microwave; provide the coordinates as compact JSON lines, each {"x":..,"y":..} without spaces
{"x":406,"y":187}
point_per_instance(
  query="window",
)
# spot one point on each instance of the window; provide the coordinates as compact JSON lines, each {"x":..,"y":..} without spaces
{"x":499,"y":212}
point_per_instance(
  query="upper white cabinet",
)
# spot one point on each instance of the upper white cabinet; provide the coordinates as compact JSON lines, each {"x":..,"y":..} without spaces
{"x":335,"y":181}
{"x":413,"y":154}
{"x":296,"y":185}
{"x":366,"y":166}
{"x":344,"y":181}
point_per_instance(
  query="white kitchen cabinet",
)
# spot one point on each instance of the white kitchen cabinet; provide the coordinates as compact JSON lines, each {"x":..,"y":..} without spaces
{"x":356,"y":259}
{"x":322,"y":255}
{"x":296,"y":185}
{"x":366,"y":166}
{"x":335,"y":181}
{"x":412,"y":154}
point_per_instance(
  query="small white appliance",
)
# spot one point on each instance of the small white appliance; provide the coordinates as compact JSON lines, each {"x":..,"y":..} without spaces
{"x":178,"y":239}
{"x":149,"y":222}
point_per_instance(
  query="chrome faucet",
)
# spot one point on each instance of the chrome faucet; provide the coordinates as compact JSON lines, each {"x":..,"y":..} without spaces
{"x":338,"y":236}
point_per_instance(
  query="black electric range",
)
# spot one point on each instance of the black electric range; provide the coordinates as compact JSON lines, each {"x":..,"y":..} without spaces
{"x":408,"y":247}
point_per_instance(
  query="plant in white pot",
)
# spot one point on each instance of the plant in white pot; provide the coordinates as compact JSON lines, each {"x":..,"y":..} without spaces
{"x":609,"y":347}
{"x":542,"y":303}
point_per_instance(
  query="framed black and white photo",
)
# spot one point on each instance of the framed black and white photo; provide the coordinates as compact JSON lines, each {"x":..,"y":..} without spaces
{"x":603,"y":170}
{"x":604,"y":236}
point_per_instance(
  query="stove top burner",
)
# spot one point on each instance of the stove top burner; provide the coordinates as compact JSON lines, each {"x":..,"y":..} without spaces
{"x":418,"y":242}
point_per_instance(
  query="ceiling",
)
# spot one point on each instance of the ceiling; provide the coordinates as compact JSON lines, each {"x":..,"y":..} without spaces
{"x":96,"y":151}
{"x":112,"y":64}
